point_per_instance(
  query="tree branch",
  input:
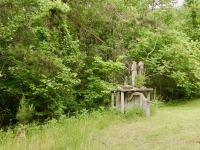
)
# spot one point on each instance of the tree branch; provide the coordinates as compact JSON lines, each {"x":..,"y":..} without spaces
{"x":89,"y":31}
{"x":153,"y":48}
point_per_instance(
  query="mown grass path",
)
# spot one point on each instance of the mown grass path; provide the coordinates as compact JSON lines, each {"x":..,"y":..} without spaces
{"x":171,"y":128}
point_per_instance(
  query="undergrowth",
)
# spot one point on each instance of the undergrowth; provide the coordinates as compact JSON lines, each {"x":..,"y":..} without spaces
{"x":67,"y":133}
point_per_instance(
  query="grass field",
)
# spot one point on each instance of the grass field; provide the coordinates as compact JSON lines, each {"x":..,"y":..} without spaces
{"x":170,"y":128}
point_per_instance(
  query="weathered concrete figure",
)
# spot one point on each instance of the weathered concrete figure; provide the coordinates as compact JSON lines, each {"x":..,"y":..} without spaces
{"x":141,"y":68}
{"x":134,"y":72}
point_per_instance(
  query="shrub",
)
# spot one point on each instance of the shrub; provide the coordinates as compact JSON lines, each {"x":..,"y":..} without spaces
{"x":25,"y":111}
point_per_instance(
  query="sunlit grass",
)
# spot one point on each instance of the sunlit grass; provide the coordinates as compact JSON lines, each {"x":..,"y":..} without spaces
{"x":170,"y":128}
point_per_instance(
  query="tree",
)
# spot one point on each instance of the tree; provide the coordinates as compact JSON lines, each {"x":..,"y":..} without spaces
{"x":38,"y":54}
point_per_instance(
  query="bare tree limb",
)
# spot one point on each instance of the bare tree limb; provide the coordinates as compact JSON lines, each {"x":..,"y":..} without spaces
{"x":153,"y":48}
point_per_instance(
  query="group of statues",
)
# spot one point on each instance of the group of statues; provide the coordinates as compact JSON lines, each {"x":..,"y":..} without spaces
{"x":129,"y":96}
{"x":135,"y":69}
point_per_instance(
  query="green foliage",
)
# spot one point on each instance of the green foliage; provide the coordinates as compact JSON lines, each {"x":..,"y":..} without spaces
{"x":140,"y":80}
{"x":101,"y":76}
{"x":133,"y":113}
{"x":155,"y":105}
{"x":39,"y":62}
{"x":25,"y":111}
{"x":65,"y":55}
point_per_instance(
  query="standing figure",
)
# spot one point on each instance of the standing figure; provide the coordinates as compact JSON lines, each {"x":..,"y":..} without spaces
{"x":141,"y":68}
{"x":134,"y":72}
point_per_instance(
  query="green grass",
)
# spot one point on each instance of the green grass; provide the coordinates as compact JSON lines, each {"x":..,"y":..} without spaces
{"x":170,"y":128}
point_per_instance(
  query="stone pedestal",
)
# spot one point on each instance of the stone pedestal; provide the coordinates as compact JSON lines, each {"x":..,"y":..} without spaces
{"x":131,"y":98}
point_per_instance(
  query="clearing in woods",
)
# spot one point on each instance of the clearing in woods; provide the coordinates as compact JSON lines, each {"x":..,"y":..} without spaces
{"x":171,"y":128}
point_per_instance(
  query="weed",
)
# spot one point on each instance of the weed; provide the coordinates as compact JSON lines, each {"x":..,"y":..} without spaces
{"x":133,"y":113}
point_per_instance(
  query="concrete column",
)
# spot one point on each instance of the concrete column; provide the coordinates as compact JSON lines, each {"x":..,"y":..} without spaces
{"x":134,"y":72}
{"x":118,"y":103}
{"x":148,"y":104}
{"x":140,"y":101}
{"x":122,"y":102}
{"x":148,"y":109}
{"x":148,"y":95}
{"x":112,"y":99}
{"x":144,"y":107}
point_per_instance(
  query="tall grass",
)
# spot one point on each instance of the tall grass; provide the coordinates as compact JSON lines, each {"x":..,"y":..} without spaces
{"x":168,"y":128}
{"x":74,"y":133}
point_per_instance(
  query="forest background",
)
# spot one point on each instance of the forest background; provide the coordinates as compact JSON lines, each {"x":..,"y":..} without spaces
{"x":61,"y":56}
